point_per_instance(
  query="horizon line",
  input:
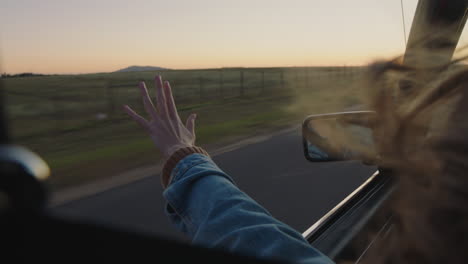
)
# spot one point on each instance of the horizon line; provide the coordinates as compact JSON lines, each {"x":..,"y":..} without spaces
{"x":182,"y":69}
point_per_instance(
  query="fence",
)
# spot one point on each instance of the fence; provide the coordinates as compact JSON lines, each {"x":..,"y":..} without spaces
{"x":57,"y":104}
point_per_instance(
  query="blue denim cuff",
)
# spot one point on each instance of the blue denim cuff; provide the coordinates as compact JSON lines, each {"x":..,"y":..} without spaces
{"x":187,"y":163}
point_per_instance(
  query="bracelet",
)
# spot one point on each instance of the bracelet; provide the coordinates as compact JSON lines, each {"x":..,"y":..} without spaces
{"x":174,"y":159}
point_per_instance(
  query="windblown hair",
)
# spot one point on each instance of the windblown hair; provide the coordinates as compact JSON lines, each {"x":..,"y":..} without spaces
{"x":422,"y":135}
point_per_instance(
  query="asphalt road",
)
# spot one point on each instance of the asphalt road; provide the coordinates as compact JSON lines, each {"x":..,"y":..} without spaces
{"x":273,"y":172}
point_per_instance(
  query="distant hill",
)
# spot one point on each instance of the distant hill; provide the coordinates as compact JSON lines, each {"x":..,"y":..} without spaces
{"x":141,"y":68}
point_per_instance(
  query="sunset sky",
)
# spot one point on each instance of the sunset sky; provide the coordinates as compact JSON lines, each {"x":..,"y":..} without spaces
{"x":62,"y":36}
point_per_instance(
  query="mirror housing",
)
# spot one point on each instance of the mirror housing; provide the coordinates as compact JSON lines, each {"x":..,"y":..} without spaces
{"x":339,"y":136}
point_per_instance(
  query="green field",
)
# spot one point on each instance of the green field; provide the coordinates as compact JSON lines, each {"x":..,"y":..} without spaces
{"x":75,"y":122}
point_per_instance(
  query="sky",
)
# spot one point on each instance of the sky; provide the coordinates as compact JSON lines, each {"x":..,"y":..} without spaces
{"x":84,"y":36}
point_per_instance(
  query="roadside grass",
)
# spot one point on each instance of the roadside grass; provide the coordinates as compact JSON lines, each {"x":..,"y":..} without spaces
{"x":55,"y":115}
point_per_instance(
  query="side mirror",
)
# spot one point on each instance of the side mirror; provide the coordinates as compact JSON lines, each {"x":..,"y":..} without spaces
{"x":340,"y":136}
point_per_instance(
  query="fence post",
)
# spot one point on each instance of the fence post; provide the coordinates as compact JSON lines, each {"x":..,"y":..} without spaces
{"x":110,"y":99}
{"x":242,"y":83}
{"x":175,"y":92}
{"x":307,"y":70}
{"x":201,"y":88}
{"x":221,"y":84}
{"x":57,"y":114}
{"x":263,"y":81}
{"x":282,"y":78}
{"x":296,"y":77}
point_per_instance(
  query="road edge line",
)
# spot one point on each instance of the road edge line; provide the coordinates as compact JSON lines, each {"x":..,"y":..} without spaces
{"x":69,"y":195}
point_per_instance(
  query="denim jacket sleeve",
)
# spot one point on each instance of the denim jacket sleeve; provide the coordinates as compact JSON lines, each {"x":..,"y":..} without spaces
{"x":204,"y":203}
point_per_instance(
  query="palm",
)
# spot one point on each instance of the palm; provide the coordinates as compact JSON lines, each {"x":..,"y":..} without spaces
{"x":164,"y":126}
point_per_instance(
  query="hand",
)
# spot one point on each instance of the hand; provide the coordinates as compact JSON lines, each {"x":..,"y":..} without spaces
{"x":164,"y":126}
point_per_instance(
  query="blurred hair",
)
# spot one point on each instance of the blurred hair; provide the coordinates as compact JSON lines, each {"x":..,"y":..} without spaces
{"x":422,"y":135}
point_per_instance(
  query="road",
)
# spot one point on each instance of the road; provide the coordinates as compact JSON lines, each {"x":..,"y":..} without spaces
{"x":273,"y":172}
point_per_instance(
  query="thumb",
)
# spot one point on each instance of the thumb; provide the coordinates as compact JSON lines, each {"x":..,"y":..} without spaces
{"x":190,"y":124}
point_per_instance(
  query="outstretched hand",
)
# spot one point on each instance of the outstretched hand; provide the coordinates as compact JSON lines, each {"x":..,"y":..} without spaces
{"x":164,"y":125}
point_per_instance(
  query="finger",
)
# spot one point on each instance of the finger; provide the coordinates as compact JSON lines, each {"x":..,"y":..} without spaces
{"x":171,"y":107}
{"x":160,"y":96}
{"x":140,"y":120}
{"x":190,"y":124}
{"x":149,"y":107}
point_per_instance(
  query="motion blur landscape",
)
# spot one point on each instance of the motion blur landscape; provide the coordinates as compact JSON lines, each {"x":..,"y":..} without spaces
{"x":247,"y":68}
{"x":76,"y":122}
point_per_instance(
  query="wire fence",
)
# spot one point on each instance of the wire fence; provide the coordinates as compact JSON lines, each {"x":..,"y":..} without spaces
{"x":57,"y":104}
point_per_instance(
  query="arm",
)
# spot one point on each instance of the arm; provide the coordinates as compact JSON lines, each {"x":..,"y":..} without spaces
{"x":204,"y":202}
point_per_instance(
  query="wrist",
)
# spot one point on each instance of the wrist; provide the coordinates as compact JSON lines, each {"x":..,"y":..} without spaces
{"x":170,"y":151}
{"x":174,"y":158}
